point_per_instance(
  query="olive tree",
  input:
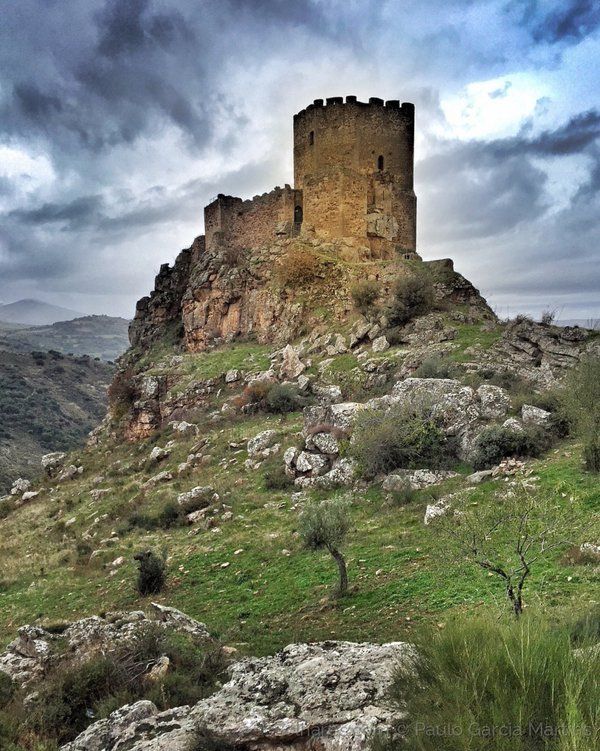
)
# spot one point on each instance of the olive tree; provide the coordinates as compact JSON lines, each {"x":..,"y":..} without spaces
{"x":509,"y":536}
{"x":324,"y":525}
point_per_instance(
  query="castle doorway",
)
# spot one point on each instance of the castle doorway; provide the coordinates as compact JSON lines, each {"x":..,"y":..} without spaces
{"x":298,"y":215}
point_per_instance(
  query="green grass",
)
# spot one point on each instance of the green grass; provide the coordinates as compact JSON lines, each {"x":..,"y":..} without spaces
{"x":265,"y":598}
{"x":473,"y":335}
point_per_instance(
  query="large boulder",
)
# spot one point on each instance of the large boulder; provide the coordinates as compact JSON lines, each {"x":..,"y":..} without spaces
{"x":332,"y":694}
{"x":27,"y":657}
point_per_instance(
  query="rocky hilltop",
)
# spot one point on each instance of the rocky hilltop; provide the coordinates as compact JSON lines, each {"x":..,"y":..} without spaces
{"x":297,"y":404}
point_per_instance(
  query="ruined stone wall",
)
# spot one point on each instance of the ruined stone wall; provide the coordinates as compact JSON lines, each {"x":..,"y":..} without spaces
{"x":242,"y":224}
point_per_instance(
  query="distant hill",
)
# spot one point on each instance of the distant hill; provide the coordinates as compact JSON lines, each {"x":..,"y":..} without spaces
{"x":48,"y":402}
{"x":105,"y":337}
{"x":35,"y":313}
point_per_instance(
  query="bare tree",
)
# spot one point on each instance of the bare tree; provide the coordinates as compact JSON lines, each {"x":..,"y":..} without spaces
{"x":508,"y":537}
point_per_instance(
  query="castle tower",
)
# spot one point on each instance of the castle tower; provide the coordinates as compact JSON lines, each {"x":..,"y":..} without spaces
{"x":353,"y":162}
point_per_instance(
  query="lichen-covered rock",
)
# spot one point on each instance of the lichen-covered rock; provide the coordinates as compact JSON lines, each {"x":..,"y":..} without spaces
{"x":291,"y":364}
{"x":326,"y":443}
{"x":27,"y":657}
{"x":335,"y":692}
{"x":380,"y":344}
{"x":341,"y":474}
{"x":415,"y":478}
{"x":495,"y":401}
{"x":51,"y":463}
{"x":200,"y":494}
{"x":257,"y":445}
{"x":20,"y":486}
{"x":531,"y":415}
{"x":316,"y":464}
{"x":329,"y":394}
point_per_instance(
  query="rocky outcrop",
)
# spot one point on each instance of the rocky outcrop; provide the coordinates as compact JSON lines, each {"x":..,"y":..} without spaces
{"x":330,"y":696}
{"x":29,"y":656}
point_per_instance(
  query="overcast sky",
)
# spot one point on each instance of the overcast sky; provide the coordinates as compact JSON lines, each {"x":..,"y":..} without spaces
{"x":121,"y":119}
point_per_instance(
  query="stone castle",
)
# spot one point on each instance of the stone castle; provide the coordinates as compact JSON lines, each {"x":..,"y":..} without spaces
{"x":353,"y":178}
{"x":352,"y":210}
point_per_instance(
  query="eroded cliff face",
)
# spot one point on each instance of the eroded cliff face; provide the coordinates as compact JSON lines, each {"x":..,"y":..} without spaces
{"x":273,"y":294}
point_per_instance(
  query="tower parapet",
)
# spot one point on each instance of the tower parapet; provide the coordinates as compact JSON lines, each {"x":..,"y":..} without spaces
{"x":354,"y":163}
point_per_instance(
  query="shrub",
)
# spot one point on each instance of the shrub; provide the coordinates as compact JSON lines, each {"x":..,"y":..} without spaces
{"x":581,"y":398}
{"x":282,"y":398}
{"x":170,"y":515}
{"x":401,"y":438}
{"x":403,"y":495}
{"x":121,"y":393}
{"x":278,"y":398}
{"x":496,"y":443}
{"x":68,"y":698}
{"x":364,"y":295}
{"x":275,"y":477}
{"x":151,"y":573}
{"x":7,"y":689}
{"x":325,"y":524}
{"x":411,"y":296}
{"x":548,"y":317}
{"x":435,"y":367}
{"x":488,"y":684}
{"x":298,"y":267}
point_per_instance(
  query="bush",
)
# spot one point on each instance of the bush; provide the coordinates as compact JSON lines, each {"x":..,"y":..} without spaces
{"x":411,"y":296}
{"x":275,"y":477}
{"x":282,"y":398}
{"x":278,"y":398}
{"x":496,"y":443}
{"x":403,"y":495}
{"x":503,"y":687}
{"x":364,"y":295}
{"x":151,"y":573}
{"x":435,"y":367}
{"x":121,"y":393}
{"x":401,"y":438}
{"x":586,"y":629}
{"x":297,"y":268}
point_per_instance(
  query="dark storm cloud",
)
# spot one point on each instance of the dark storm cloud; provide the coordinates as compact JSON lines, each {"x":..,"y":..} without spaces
{"x":570,"y":21}
{"x":571,"y":138}
{"x":75,"y":213}
{"x":127,"y":25}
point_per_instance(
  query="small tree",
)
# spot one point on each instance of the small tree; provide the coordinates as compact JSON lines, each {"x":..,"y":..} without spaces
{"x":582,"y":402}
{"x":364,"y":294}
{"x":325,"y":524}
{"x":152,"y":572}
{"x":506,"y":537}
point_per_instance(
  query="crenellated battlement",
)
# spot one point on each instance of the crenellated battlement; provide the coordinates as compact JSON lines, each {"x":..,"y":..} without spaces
{"x":335,"y":103}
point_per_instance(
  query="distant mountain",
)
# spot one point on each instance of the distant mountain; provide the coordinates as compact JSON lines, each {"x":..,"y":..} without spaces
{"x":35,"y":313}
{"x":105,"y":337}
{"x":48,"y":402}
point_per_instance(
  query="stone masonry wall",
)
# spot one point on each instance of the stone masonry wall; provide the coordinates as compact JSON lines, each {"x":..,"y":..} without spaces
{"x":232,"y":222}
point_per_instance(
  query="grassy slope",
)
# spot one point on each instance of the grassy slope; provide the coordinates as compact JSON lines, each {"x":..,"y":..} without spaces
{"x":265,"y":597}
{"x":47,"y":403}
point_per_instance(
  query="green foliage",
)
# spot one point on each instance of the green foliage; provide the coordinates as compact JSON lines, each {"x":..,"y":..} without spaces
{"x":325,"y":524}
{"x":401,"y":438}
{"x":364,"y":294}
{"x":282,"y":398}
{"x":586,"y":629}
{"x":412,"y":296}
{"x":582,"y":403}
{"x":435,"y":367}
{"x":7,"y":689}
{"x":152,"y":572}
{"x":484,"y":683}
{"x":277,"y":398}
{"x":496,"y":443}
